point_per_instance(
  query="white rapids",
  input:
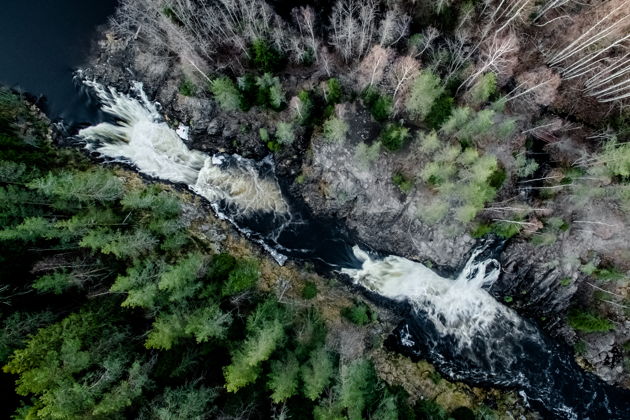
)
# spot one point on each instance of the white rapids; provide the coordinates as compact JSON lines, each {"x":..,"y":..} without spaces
{"x":460,"y":307}
{"x":142,"y":137}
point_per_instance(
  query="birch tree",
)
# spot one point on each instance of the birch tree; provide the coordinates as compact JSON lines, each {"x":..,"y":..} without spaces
{"x":403,"y":71}
{"x":354,"y":25}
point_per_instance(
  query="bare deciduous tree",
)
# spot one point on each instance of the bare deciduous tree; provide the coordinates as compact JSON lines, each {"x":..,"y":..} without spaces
{"x":371,"y":69}
{"x":353,"y":25}
{"x":304,"y":18}
{"x":394,"y":26}
{"x":403,"y":71}
{"x":495,"y":57}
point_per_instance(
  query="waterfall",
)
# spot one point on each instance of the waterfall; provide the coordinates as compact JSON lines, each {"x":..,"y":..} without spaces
{"x":142,"y":138}
{"x":465,"y":332}
{"x":461,"y":308}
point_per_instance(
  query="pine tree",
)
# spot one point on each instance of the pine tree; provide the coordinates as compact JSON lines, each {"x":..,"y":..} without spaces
{"x":425,"y":89}
{"x":283,"y":378}
{"x":316,"y":373}
{"x":335,"y":130}
{"x":226,"y":93}
{"x":358,"y":381}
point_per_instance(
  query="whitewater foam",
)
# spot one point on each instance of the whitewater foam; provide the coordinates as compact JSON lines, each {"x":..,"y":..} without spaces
{"x":460,"y":307}
{"x":142,"y":138}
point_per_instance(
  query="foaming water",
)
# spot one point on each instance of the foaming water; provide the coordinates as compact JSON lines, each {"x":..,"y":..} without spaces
{"x":462,"y":329}
{"x":140,"y":136}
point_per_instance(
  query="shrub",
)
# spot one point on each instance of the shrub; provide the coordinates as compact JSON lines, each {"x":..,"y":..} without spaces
{"x":434,"y":212}
{"x":380,"y":106}
{"x":310,"y":290}
{"x":524,"y":166}
{"x":187,"y":88}
{"x":334,"y":91}
{"x":305,"y":104}
{"x":265,"y":57}
{"x":243,"y":277}
{"x":440,"y":111}
{"x":263,"y":133}
{"x":402,"y":182}
{"x":359,"y":314}
{"x":226,"y":94}
{"x":284,"y":133}
{"x":393,"y":136}
{"x":365,"y":154}
{"x":429,"y":142}
{"x":587,"y":322}
{"x":483,"y":88}
{"x":335,"y":130}
{"x":269,"y":91}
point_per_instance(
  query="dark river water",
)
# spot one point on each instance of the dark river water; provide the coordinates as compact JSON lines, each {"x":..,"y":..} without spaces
{"x":42,"y":42}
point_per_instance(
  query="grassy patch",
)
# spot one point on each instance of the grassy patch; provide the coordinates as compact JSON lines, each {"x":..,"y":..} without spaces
{"x":187,"y":88}
{"x":310,"y":290}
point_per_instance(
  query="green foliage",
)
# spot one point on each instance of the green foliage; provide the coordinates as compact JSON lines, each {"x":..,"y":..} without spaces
{"x":183,"y":402}
{"x":615,"y":157}
{"x":588,"y":322}
{"x":122,"y":245}
{"x":458,"y":119}
{"x":187,"y":88}
{"x":525,"y":167}
{"x":359,"y":314}
{"x":56,"y":282}
{"x":357,"y":387}
{"x":366,"y":155}
{"x":393,"y":136}
{"x":310,"y":290}
{"x":265,"y":333}
{"x":333,"y":91}
{"x":404,"y":184}
{"x":428,"y":142}
{"x":430,"y":410}
{"x":265,"y":57}
{"x":317,"y":373}
{"x":243,"y":276}
{"x":17,"y":327}
{"x":285,"y":133}
{"x":60,"y":367}
{"x":263,"y":133}
{"x":440,"y":112}
{"x":482,"y":90}
{"x":380,"y":106}
{"x":87,"y":187}
{"x":180,"y":279}
{"x":426,"y":88}
{"x":269,"y":91}
{"x":226,"y":93}
{"x":283,"y":379}
{"x":335,"y":130}
{"x":220,"y":267}
{"x":305,"y":105}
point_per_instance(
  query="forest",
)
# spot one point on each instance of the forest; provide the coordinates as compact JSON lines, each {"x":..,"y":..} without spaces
{"x":446,"y":121}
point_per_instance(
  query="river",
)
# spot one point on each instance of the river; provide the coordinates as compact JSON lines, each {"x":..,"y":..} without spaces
{"x":455,"y":323}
